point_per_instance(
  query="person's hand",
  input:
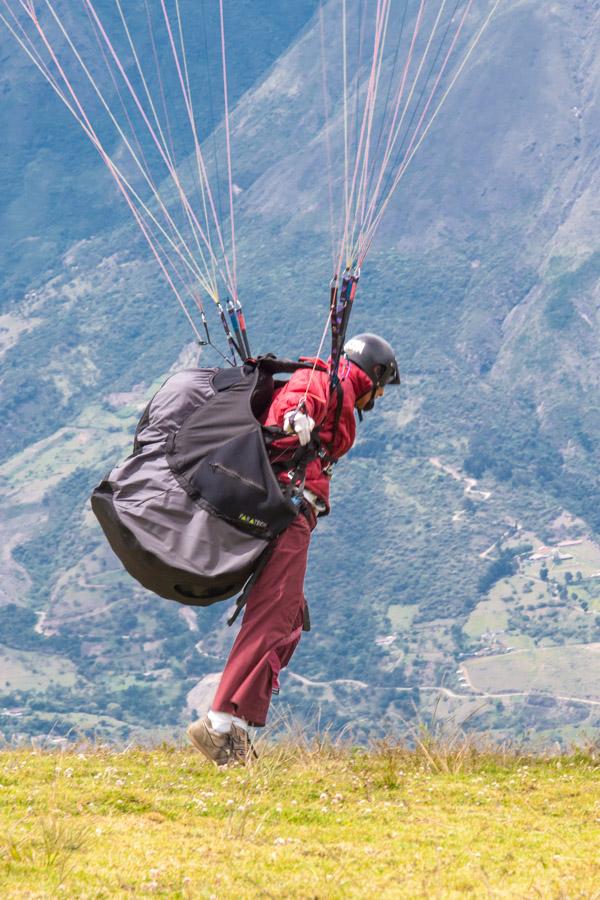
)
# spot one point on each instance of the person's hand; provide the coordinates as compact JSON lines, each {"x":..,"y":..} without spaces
{"x":297,"y":422}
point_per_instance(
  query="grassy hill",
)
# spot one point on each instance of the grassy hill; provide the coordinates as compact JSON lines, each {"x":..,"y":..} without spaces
{"x":318,"y":820}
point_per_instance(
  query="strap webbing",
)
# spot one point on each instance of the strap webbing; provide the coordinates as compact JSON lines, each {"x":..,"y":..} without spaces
{"x":243,"y":598}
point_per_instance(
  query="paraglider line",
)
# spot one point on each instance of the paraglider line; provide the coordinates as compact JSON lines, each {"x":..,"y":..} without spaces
{"x":425,"y":132}
{"x":211,"y":110}
{"x":370,"y":103}
{"x":389,"y":142}
{"x":228,"y":145}
{"x":198,"y":152}
{"x":119,"y":130}
{"x":172,"y":171}
{"x":344,"y":251}
{"x":317,"y":357}
{"x":390,"y":83}
{"x":415,"y":82}
{"x":417,"y":105}
{"x":163,"y":148}
{"x":324,"y":87}
{"x":81,"y":117}
{"x":199,"y":180}
{"x":111,"y":167}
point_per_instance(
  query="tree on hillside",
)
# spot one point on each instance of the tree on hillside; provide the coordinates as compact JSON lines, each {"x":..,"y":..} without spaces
{"x":503,"y":567}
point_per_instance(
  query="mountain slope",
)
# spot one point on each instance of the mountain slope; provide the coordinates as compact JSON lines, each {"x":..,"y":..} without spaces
{"x":485,"y":277}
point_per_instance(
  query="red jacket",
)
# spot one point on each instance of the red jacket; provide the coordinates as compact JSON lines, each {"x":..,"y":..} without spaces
{"x":321,"y":407}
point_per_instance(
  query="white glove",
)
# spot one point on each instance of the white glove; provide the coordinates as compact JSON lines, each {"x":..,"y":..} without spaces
{"x":297,"y":422}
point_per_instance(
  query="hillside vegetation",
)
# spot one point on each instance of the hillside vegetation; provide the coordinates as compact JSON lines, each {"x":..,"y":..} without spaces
{"x":485,"y":277}
{"x":442,"y":820}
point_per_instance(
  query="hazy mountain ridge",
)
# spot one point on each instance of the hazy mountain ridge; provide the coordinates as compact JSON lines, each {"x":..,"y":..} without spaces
{"x":486,"y":279}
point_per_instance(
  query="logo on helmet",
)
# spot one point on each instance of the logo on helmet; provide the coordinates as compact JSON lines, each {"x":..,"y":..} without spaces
{"x":355,"y":345}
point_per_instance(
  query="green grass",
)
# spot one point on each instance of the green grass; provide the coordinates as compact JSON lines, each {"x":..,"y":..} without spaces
{"x":488,"y":615}
{"x":322,"y":821}
{"x":401,"y":615}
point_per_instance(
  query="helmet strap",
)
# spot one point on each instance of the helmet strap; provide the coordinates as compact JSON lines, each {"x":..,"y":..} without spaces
{"x":369,"y":406}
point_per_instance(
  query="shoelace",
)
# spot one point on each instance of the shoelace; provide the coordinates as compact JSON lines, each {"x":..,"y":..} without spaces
{"x":242,"y":747}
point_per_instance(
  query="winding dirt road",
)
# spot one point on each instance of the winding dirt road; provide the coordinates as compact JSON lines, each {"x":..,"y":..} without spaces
{"x":439,"y":689}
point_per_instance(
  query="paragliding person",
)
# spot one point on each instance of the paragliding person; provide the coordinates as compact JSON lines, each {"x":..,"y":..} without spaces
{"x":276,"y":612}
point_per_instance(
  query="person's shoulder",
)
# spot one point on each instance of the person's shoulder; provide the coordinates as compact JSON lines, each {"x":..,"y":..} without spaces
{"x":317,"y":374}
{"x":313,"y":365}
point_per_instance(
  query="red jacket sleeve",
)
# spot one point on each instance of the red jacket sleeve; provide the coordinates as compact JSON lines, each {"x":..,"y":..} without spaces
{"x":301,"y":387}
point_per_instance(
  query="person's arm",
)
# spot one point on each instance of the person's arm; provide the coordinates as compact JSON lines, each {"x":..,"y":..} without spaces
{"x":299,"y":406}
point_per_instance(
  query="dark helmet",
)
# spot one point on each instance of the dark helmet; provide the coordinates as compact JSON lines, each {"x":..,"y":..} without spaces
{"x":375,"y":357}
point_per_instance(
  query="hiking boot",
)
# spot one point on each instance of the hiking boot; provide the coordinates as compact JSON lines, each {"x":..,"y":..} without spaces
{"x":242,"y":749}
{"x":215,"y":745}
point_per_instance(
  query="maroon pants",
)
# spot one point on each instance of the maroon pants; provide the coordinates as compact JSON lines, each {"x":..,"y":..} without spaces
{"x":271,"y":628}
